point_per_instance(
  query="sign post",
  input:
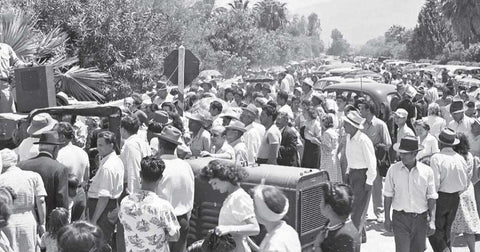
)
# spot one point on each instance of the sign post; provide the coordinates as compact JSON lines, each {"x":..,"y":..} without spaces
{"x":181,"y":78}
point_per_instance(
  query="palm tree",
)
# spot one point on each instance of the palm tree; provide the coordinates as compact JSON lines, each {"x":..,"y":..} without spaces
{"x":239,"y":5}
{"x":464,"y":16}
{"x":271,"y":14}
{"x":30,"y":45}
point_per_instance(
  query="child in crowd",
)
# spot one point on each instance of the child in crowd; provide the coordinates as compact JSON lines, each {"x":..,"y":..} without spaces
{"x":58,"y":219}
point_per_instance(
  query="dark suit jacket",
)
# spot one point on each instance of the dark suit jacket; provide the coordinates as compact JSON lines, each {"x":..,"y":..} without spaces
{"x":287,"y":154}
{"x":55,"y":179}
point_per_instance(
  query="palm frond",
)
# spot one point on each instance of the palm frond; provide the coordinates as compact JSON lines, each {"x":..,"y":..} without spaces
{"x":17,"y":30}
{"x":83,"y":83}
{"x":49,"y":43}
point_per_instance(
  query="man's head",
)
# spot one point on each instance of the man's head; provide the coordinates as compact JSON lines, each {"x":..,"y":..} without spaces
{"x":215,"y":108}
{"x":249,"y":114}
{"x":282,"y":98}
{"x":238,"y":96}
{"x":162,"y":90}
{"x":457,"y":110}
{"x":65,"y":131}
{"x":218,"y":135}
{"x":129,"y":126}
{"x":476,"y":127}
{"x":234,"y":131}
{"x":168,"y":140}
{"x":106,"y":141}
{"x":195,"y":122}
{"x":307,"y":85}
{"x":352,"y":122}
{"x":152,"y":168}
{"x":367,"y":109}
{"x":471,"y":110}
{"x":282,"y":120}
{"x":50,"y":142}
{"x":400,"y":117}
{"x":268,"y":116}
{"x":408,"y":149}
{"x":341,"y":101}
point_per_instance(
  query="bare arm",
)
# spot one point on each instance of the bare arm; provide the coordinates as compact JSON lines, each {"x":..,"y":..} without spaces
{"x":101,"y":205}
{"x":273,"y":153}
{"x":249,"y":228}
{"x":41,"y":209}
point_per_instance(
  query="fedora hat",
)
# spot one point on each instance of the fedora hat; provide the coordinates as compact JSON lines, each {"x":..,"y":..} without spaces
{"x":170,"y":134}
{"x":49,"y":137}
{"x":194,"y":116}
{"x":402,"y":113}
{"x":230,"y":113}
{"x":41,"y":123}
{"x":407,"y":144}
{"x":448,"y":137}
{"x":308,"y":81}
{"x":236,"y":125}
{"x":252,"y":109}
{"x":457,"y":107}
{"x":354,"y":118}
{"x":162,"y":117}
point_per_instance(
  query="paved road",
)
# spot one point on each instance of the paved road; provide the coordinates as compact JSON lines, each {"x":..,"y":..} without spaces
{"x":379,"y":240}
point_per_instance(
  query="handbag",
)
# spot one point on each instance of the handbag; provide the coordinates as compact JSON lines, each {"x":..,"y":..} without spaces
{"x":215,"y":243}
{"x":383,"y":161}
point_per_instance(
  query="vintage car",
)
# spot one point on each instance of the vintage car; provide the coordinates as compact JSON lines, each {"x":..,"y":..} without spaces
{"x":382,"y":95}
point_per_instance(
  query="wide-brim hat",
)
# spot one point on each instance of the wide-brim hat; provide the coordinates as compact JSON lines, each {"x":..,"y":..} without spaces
{"x":252,"y":109}
{"x":457,"y":106}
{"x":308,"y":81}
{"x":448,"y":137}
{"x":194,"y":116}
{"x":408,"y":144}
{"x":354,"y":119}
{"x":402,"y":113}
{"x":170,"y":134}
{"x":236,"y":125}
{"x":230,"y":113}
{"x":41,"y":123}
{"x":49,"y":137}
{"x":162,"y":117}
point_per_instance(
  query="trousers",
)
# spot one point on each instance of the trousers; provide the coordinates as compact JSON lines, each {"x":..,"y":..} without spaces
{"x":181,"y":244}
{"x":447,"y":205}
{"x":410,"y":231}
{"x":103,"y":222}
{"x":361,"y":198}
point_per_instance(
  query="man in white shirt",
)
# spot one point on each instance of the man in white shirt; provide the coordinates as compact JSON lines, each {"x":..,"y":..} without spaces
{"x":254,"y":134}
{"x":460,"y":122}
{"x":362,"y":167}
{"x":410,"y":190}
{"x":431,"y":94}
{"x":178,"y":183}
{"x":220,"y":146}
{"x":268,"y":150}
{"x":451,"y":178}
{"x":283,"y":107}
{"x":134,"y":149}
{"x":162,"y":94}
{"x":400,"y":116}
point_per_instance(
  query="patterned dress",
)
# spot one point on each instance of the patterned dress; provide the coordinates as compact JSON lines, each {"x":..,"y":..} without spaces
{"x":467,"y":219}
{"x":149,"y":222}
{"x":329,"y":161}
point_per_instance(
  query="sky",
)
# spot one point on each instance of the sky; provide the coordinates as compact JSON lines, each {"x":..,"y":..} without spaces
{"x":358,"y":20}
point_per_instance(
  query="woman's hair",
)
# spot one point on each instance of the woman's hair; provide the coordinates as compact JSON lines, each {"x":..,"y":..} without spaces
{"x":274,"y":199}
{"x":223,"y":170}
{"x":58,"y":218}
{"x":339,"y":197}
{"x":311,"y":112}
{"x":81,"y":236}
{"x":434,"y":109}
{"x":422,"y":123}
{"x":327,"y":121}
{"x":463,"y":147}
{"x":176,"y":121}
{"x":9,"y":158}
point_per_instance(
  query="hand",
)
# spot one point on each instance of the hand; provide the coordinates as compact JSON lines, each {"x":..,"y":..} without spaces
{"x":113,"y":215}
{"x":41,"y":229}
{"x":388,"y":225}
{"x":205,"y":154}
{"x":320,"y":238}
{"x":222,"y":230}
{"x":368,"y":187}
{"x":315,"y":141}
{"x":431,"y":228}
{"x":347,"y":178}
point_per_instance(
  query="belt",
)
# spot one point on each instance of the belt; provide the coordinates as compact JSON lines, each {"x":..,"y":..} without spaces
{"x":414,"y":215}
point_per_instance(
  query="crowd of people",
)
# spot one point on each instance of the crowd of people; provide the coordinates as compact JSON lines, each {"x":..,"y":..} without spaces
{"x":70,"y":185}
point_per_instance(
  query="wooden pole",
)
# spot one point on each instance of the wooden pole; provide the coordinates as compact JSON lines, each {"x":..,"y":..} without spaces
{"x":181,"y":78}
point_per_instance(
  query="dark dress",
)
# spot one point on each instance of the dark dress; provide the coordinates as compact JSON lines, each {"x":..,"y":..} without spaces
{"x":311,"y":153}
{"x":345,"y":239}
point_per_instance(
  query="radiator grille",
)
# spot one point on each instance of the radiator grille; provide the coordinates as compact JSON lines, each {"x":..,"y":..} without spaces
{"x":310,"y":215}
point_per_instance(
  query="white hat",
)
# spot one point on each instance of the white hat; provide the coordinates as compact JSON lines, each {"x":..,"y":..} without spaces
{"x":354,"y":118}
{"x":402,"y":113}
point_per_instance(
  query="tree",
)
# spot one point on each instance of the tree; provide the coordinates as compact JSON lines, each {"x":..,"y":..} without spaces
{"x":465,"y":18}
{"x":271,"y":14}
{"x":239,"y":5}
{"x":431,"y":33}
{"x":396,"y":33}
{"x":313,"y":25}
{"x":339,"y":46}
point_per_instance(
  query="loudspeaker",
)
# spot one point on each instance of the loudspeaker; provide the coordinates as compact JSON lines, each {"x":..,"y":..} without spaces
{"x":35,"y":88}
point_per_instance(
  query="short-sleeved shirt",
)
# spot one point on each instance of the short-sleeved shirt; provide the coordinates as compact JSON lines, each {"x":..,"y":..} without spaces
{"x":8,"y":57}
{"x":241,"y":153}
{"x":226,"y":148}
{"x":27,"y":150}
{"x":272,"y":136}
{"x":26,"y":184}
{"x":410,"y":189}
{"x":450,"y":170}
{"x":281,"y":239}
{"x":377,"y":131}
{"x":149,"y":222}
{"x":75,"y":159}
{"x":430,"y":147}
{"x":465,"y":126}
{"x":200,"y":142}
{"x":108,"y":181}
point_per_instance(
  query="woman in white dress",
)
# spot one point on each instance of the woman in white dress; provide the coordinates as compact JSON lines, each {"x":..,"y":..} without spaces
{"x":427,"y":140}
{"x":435,"y":120}
{"x":237,"y":215}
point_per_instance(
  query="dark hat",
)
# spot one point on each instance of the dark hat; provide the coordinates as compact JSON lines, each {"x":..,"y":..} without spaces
{"x":421,"y":91}
{"x":407,"y":144}
{"x":457,"y":107}
{"x":170,"y":134}
{"x":161,"y":85}
{"x":448,"y":137}
{"x":49,"y":137}
{"x":161,"y":116}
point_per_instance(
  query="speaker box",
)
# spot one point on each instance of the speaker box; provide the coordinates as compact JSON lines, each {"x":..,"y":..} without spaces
{"x":35,"y":88}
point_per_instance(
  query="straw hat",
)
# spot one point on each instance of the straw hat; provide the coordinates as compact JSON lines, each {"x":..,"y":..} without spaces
{"x":354,"y":118}
{"x":448,"y":137}
{"x":41,"y":123}
{"x":236,"y":125}
{"x":170,"y":134}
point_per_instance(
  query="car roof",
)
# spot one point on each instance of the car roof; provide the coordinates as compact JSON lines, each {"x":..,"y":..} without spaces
{"x":379,"y":89}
